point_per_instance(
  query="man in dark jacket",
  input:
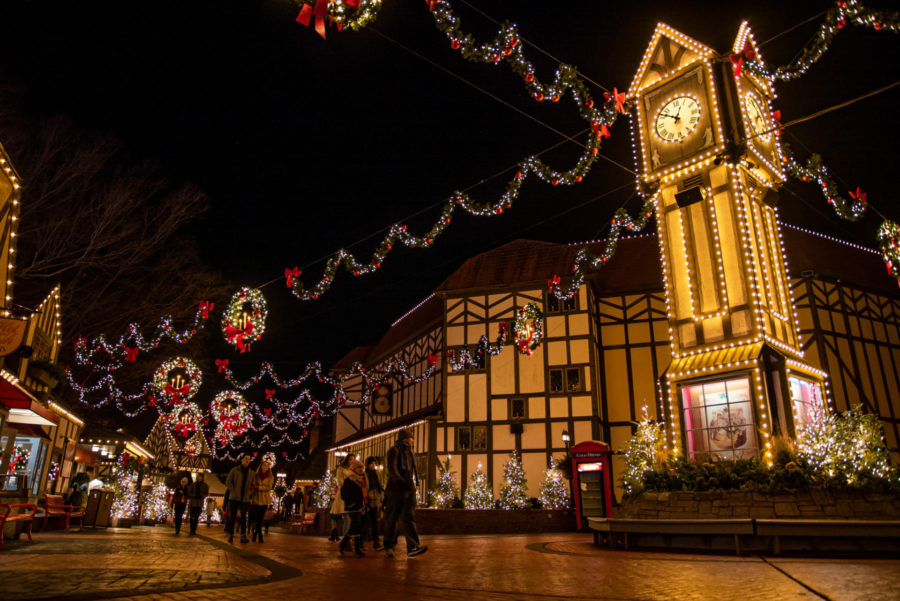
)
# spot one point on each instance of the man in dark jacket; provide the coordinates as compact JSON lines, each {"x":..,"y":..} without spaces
{"x":240,"y":483}
{"x":400,"y":495}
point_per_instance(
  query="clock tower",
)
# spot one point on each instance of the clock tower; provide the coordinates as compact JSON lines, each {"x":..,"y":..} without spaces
{"x":708,"y":154}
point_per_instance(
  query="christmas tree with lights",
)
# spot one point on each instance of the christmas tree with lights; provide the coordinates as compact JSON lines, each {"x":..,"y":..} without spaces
{"x":644,"y":451}
{"x":479,"y":494}
{"x":125,"y":498}
{"x":446,"y":489}
{"x":322,"y":495}
{"x":554,"y":490}
{"x":155,"y":506}
{"x":513,"y":493}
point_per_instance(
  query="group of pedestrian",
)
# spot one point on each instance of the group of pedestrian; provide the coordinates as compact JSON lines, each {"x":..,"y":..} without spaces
{"x":249,"y":493}
{"x":189,"y":495}
{"x":360,"y":497}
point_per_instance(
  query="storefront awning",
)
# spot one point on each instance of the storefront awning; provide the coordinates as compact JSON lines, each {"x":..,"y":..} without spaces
{"x":30,"y":430}
{"x":714,"y":361}
{"x":24,"y":408}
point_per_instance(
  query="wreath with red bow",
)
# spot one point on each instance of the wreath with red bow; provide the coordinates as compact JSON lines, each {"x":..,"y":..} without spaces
{"x":529,"y":328}
{"x":171,"y":390}
{"x":244,"y":320}
{"x":230,"y":411}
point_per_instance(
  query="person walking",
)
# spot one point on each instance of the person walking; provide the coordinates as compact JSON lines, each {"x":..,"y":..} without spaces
{"x":376,"y":493}
{"x":261,"y":498}
{"x":336,"y":512}
{"x":400,"y":495}
{"x":197,"y":491}
{"x":179,"y":502}
{"x":353,"y":493}
{"x":210,"y":510}
{"x":287,"y":505}
{"x":239,"y":485}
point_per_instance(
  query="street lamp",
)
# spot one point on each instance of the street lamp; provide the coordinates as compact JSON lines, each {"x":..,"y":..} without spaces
{"x":566,"y":439}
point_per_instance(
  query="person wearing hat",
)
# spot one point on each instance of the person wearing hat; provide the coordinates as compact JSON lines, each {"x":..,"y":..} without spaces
{"x":400,"y":495}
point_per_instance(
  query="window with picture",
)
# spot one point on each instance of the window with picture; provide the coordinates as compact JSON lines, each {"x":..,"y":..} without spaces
{"x":806,"y":401}
{"x":718,"y":420}
{"x":566,"y":379}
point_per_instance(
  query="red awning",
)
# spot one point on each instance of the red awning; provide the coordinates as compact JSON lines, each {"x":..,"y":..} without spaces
{"x":24,"y":408}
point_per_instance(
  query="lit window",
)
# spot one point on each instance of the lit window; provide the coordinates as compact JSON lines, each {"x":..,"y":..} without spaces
{"x":479,"y":438}
{"x":806,"y":402}
{"x":566,"y":379}
{"x":719,"y":420}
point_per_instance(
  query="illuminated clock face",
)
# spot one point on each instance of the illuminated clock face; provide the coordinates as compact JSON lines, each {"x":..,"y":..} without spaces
{"x":758,"y":121}
{"x":677,"y":119}
{"x":382,"y":401}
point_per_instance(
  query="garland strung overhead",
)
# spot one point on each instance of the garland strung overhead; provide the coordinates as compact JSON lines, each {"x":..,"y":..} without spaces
{"x":506,"y":47}
{"x":475,"y":360}
{"x":352,"y":14}
{"x":815,"y":171}
{"x":889,"y":241}
{"x":836,"y":19}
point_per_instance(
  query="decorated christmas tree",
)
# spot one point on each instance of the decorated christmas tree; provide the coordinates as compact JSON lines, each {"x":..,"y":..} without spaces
{"x":479,"y":494}
{"x":125,"y":498}
{"x":446,"y":490}
{"x":322,"y":493}
{"x":554,"y":490}
{"x":513,"y":493}
{"x":644,"y":451}
{"x":155,"y":506}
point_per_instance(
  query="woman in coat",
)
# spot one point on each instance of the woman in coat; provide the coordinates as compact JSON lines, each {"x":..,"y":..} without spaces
{"x":179,"y":502}
{"x":197,"y":492}
{"x":261,"y":498}
{"x":337,"y":506}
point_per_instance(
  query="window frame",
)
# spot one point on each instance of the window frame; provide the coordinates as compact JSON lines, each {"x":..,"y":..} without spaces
{"x":564,"y":378}
{"x":512,"y":402}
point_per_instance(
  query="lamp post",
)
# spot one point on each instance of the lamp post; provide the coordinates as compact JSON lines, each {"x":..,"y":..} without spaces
{"x":566,"y":440}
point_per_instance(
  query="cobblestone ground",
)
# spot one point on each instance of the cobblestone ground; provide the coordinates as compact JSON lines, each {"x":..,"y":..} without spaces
{"x":152,"y":563}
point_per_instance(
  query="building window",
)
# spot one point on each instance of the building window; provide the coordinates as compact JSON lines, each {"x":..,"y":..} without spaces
{"x":26,"y":462}
{"x":479,"y":438}
{"x":518,"y":409}
{"x":566,"y":379}
{"x":464,"y":438}
{"x":806,"y":402}
{"x":470,"y":360}
{"x":718,"y":420}
{"x":554,"y":305}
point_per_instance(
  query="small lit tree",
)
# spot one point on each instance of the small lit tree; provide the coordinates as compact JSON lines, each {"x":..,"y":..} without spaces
{"x":322,"y":494}
{"x":513,"y":493}
{"x":446,"y":489}
{"x":644,"y":451}
{"x":847,"y":448}
{"x":478,"y":493}
{"x":125,"y":498}
{"x":554,"y":490}
{"x":155,"y":506}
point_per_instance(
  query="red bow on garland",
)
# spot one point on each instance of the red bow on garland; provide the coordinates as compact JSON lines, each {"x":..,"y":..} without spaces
{"x":619,"y":98}
{"x":270,"y":392}
{"x":131,"y":354}
{"x":206,"y":307}
{"x":231,"y":333}
{"x":432,"y":360}
{"x":222,"y":364}
{"x":553,"y":282}
{"x":737,"y":60}
{"x":859,"y":195}
{"x":176,"y":393}
{"x":320,"y":12}
{"x":290,"y":274}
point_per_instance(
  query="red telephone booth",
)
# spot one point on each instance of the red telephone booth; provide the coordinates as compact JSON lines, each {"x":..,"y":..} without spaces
{"x":591,"y":482}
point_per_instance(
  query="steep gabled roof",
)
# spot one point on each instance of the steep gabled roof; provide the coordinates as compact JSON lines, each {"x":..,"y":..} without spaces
{"x":414,"y":323}
{"x":358,"y":354}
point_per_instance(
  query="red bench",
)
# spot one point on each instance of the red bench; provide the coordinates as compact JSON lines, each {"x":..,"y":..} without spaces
{"x":309,"y":519}
{"x":54,"y":507}
{"x":8,"y":516}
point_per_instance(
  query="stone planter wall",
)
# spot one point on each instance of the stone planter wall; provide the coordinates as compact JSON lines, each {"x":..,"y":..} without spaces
{"x":807,"y":504}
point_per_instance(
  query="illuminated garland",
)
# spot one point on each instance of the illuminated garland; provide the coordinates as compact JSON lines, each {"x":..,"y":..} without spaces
{"x":171,"y":387}
{"x":100,"y":355}
{"x":229,"y":409}
{"x":18,"y":460}
{"x":53,"y":471}
{"x":889,"y":241}
{"x":844,"y":12}
{"x":815,"y":171}
{"x":241,"y":327}
{"x":270,"y":459}
{"x":529,"y":328}
{"x":352,"y":14}
{"x":506,"y":47}
{"x":586,"y":259}
{"x":467,"y":359}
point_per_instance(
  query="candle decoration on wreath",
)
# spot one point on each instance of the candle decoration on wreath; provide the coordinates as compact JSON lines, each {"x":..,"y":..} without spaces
{"x":176,"y":381}
{"x":244,"y":320}
{"x":230,"y":410}
{"x":529,"y":328}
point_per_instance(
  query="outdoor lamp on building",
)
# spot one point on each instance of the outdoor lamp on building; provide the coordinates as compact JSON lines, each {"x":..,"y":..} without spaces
{"x":566,"y":438}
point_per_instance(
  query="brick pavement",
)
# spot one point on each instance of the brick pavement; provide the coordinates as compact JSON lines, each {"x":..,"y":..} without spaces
{"x":152,"y":564}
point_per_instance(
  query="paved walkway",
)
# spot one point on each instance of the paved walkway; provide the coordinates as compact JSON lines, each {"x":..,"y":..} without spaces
{"x":149,"y":564}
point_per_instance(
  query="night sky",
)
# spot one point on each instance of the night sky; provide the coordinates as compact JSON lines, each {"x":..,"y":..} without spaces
{"x":305,"y":145}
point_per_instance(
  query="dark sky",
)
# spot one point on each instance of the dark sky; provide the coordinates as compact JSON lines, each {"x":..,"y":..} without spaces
{"x":305,"y":145}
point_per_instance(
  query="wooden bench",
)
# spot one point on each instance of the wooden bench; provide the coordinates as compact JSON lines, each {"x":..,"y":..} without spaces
{"x":776,"y":528}
{"x":8,"y":516}
{"x":54,"y":507}
{"x":308,"y":519}
{"x":667,"y":528}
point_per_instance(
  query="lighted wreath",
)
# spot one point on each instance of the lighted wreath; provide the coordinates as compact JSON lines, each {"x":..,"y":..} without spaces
{"x":529,"y":328}
{"x":230,"y":411}
{"x":177,"y":380}
{"x":352,"y":14}
{"x":889,"y":239}
{"x":194,"y":446}
{"x":185,"y":420}
{"x":244,"y":320}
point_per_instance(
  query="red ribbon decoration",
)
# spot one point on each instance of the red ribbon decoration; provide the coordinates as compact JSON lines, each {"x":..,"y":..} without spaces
{"x":267,"y":411}
{"x":604,"y":131}
{"x":432,"y":360}
{"x":859,"y":195}
{"x":270,"y":392}
{"x":777,"y":116}
{"x":222,"y":364}
{"x":619,"y":98}
{"x":132,"y":353}
{"x":553,"y":282}
{"x":206,"y":307}
{"x":231,"y":333}
{"x":176,"y":393}
{"x":290,"y":274}
{"x":737,"y":61}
